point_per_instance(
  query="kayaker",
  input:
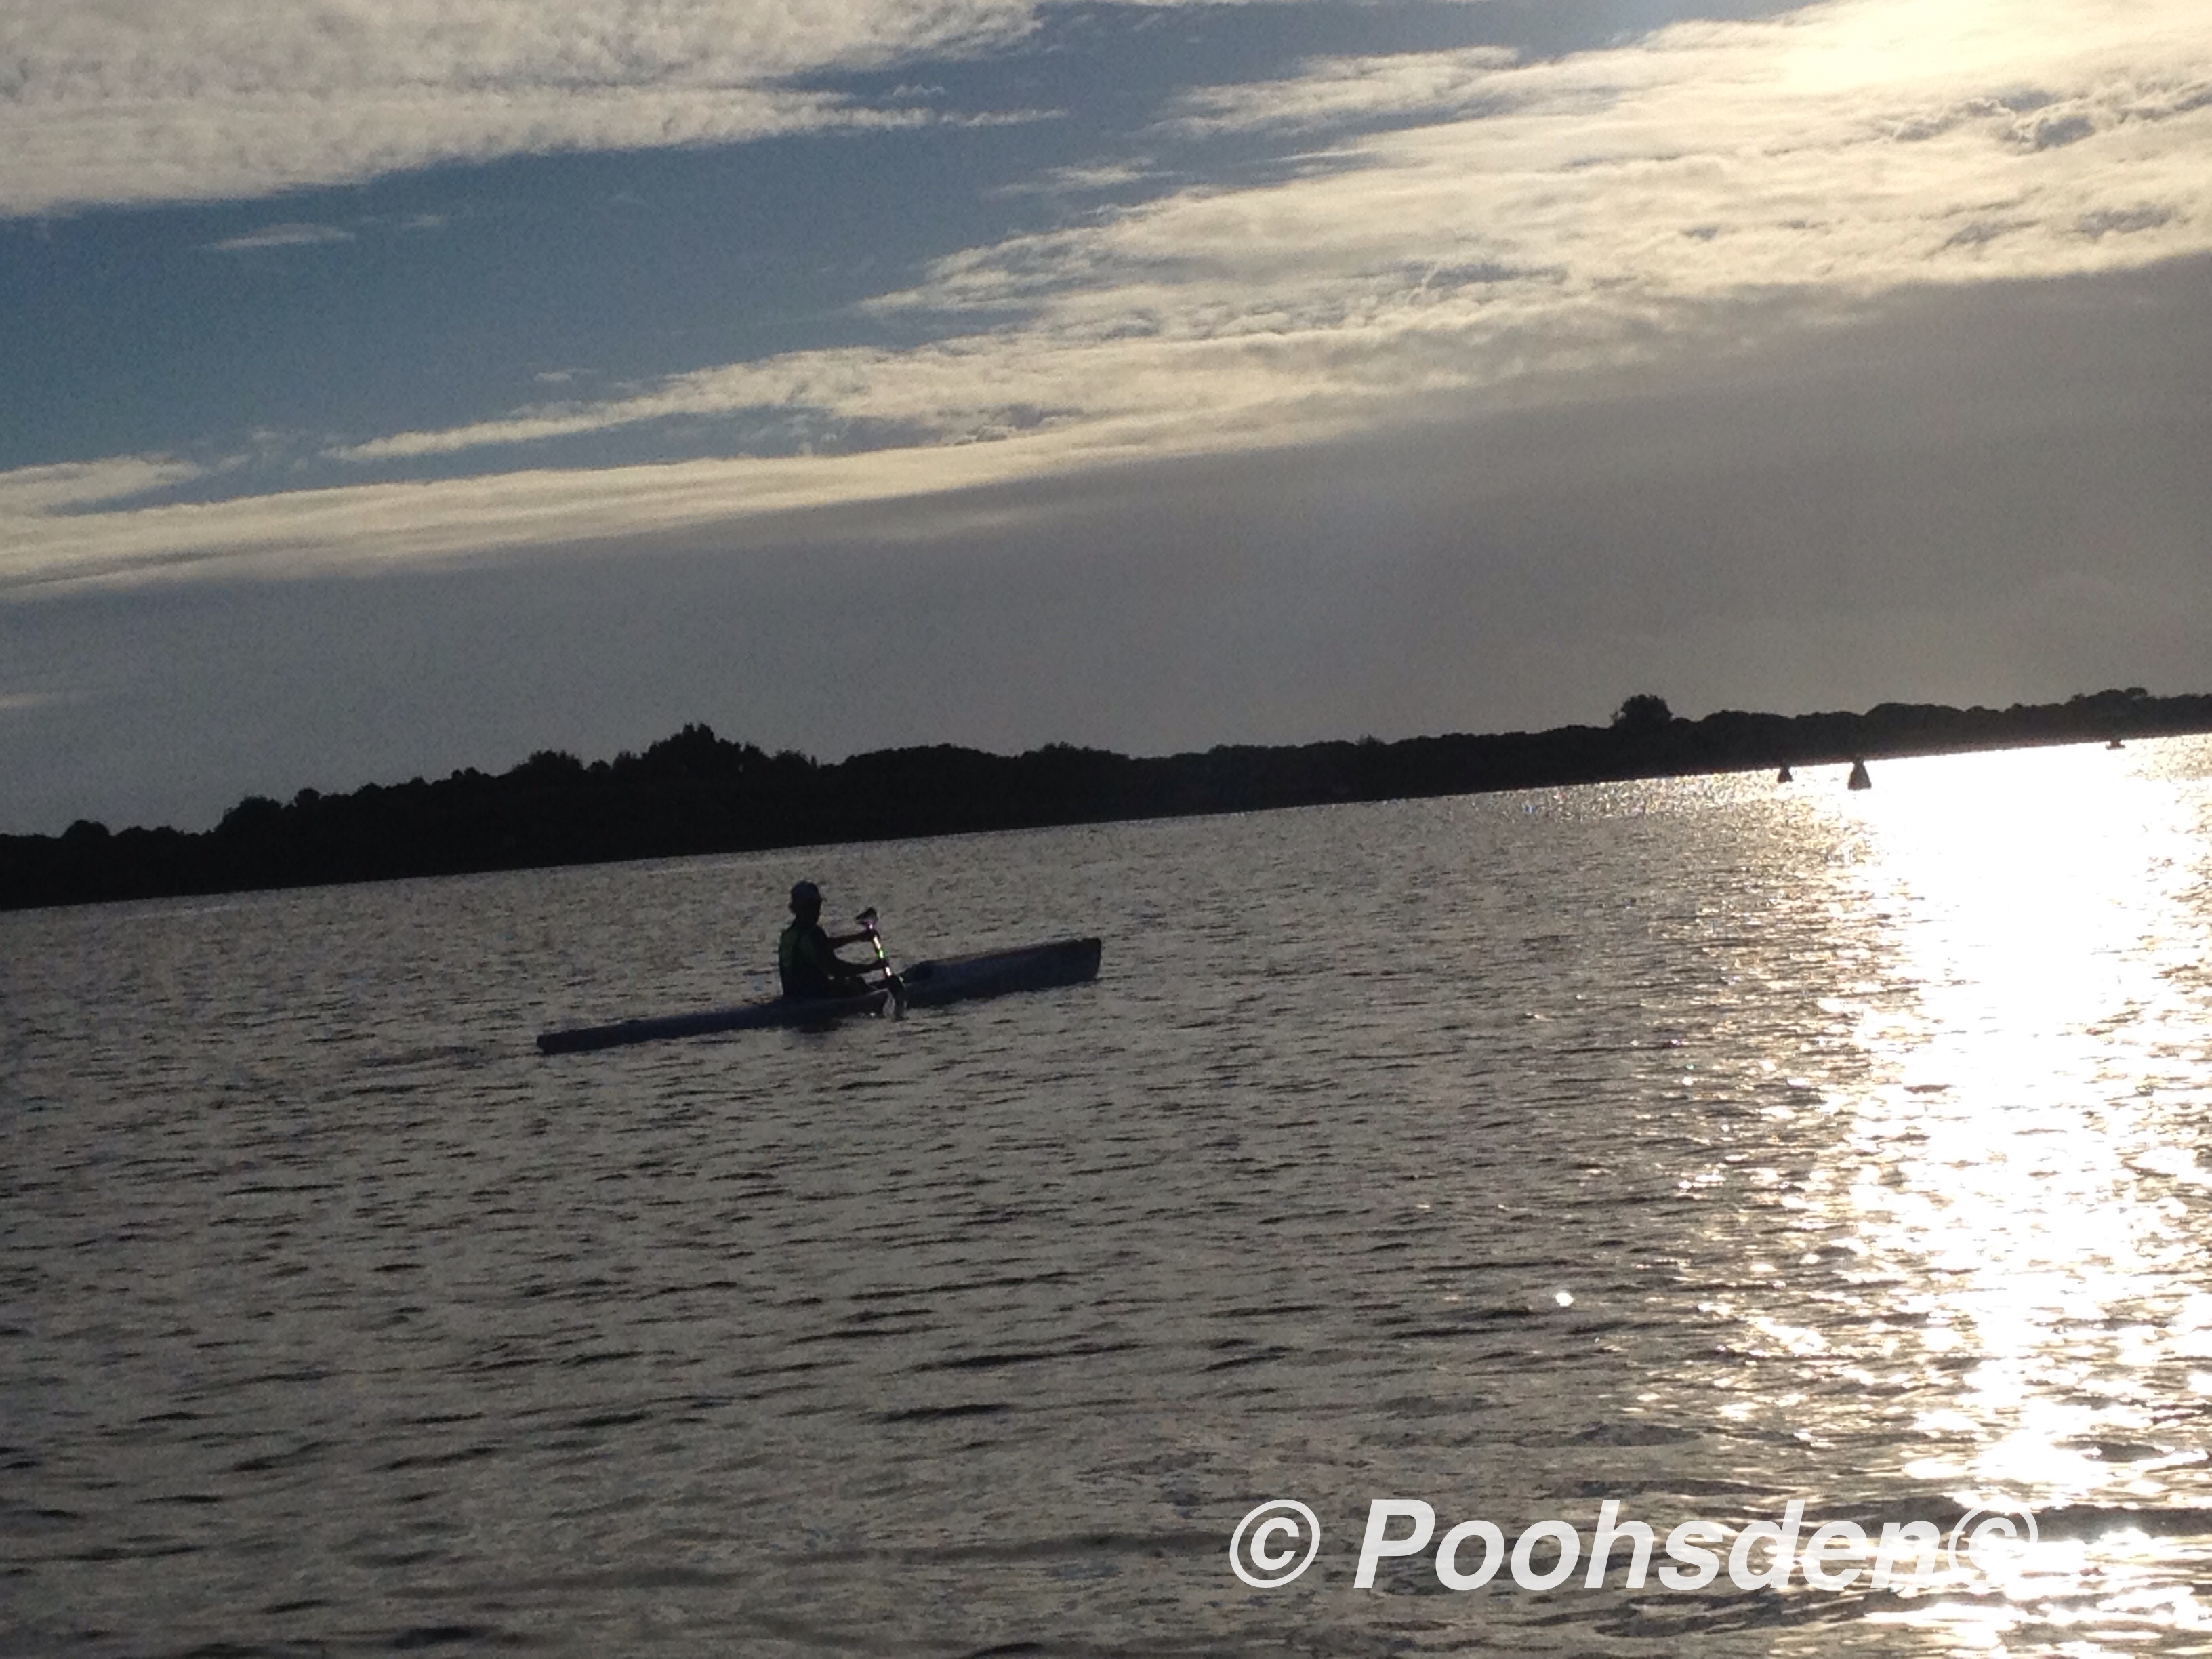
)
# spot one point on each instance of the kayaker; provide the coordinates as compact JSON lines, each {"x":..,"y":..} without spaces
{"x":807,"y":958}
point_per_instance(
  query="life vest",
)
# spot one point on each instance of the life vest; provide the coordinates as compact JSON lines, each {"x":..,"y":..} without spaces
{"x":798,"y":956}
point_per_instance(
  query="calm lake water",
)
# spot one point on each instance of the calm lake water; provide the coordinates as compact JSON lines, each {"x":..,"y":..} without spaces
{"x":1703,"y":1145}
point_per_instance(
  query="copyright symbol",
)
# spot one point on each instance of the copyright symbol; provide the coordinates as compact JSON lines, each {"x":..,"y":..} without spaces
{"x":2011,"y":1523}
{"x":1272,"y":1568}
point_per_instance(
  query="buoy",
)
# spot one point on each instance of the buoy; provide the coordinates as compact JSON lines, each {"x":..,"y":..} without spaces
{"x":1859,"y":779}
{"x":1782,"y":776}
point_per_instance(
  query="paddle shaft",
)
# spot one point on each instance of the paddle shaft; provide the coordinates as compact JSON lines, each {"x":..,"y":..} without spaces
{"x":867,"y":921}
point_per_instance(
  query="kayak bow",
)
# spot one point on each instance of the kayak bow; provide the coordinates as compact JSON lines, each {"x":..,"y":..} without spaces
{"x":994,"y":973}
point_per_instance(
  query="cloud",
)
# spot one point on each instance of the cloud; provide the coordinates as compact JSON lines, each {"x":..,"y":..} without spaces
{"x":369,"y":527}
{"x":281,"y":236}
{"x":1338,"y":89}
{"x":1597,"y":208}
{"x":23,"y":702}
{"x":1841,"y":149}
{"x":145,"y":100}
{"x":1513,"y":228}
{"x":1519,"y":218}
{"x":34,"y":492}
{"x":1105,"y":176}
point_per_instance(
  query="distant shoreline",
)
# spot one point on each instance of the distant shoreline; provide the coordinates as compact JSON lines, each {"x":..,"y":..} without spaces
{"x":695,"y":793}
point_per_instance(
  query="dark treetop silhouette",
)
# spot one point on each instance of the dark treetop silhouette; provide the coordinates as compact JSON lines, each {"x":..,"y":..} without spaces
{"x":696,"y":793}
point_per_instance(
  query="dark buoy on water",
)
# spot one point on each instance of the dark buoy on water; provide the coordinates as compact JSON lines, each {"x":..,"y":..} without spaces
{"x":1859,"y":779}
{"x":2115,"y":743}
{"x":1782,"y":776}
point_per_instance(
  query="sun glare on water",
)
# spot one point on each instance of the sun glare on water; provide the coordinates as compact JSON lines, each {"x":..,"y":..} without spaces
{"x":2021,"y":1173}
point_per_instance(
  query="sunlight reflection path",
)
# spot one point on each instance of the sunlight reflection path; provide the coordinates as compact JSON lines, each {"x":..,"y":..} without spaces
{"x":2021,"y":1178}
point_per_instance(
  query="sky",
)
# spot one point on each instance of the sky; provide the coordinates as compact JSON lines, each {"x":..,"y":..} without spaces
{"x":388,"y":386}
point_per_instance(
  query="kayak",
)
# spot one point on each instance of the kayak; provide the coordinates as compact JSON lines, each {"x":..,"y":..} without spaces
{"x":745,"y":1016}
{"x":928,"y":985}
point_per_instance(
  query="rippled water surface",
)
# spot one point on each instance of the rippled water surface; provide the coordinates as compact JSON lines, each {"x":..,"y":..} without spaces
{"x":1702,"y":1145}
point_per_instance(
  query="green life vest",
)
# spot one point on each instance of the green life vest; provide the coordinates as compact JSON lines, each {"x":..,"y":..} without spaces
{"x":799,"y":961}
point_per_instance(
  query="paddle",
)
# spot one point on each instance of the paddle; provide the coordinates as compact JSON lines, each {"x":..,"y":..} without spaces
{"x":867,"y":921}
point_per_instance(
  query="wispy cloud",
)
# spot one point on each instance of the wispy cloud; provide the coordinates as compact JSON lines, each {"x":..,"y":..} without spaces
{"x":369,"y":527}
{"x":34,"y":492}
{"x":143,"y":101}
{"x":1083,"y":180}
{"x":296,"y":236}
{"x":22,"y":702}
{"x":1335,"y":90}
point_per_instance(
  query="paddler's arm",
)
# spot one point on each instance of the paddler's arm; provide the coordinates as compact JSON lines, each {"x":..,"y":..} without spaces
{"x":838,"y":966}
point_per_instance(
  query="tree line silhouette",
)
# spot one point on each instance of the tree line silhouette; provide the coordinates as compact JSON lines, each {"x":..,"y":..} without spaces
{"x":696,"y":793}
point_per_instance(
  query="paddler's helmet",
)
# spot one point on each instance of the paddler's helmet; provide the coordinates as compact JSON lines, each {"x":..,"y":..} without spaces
{"x":806,"y":899}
